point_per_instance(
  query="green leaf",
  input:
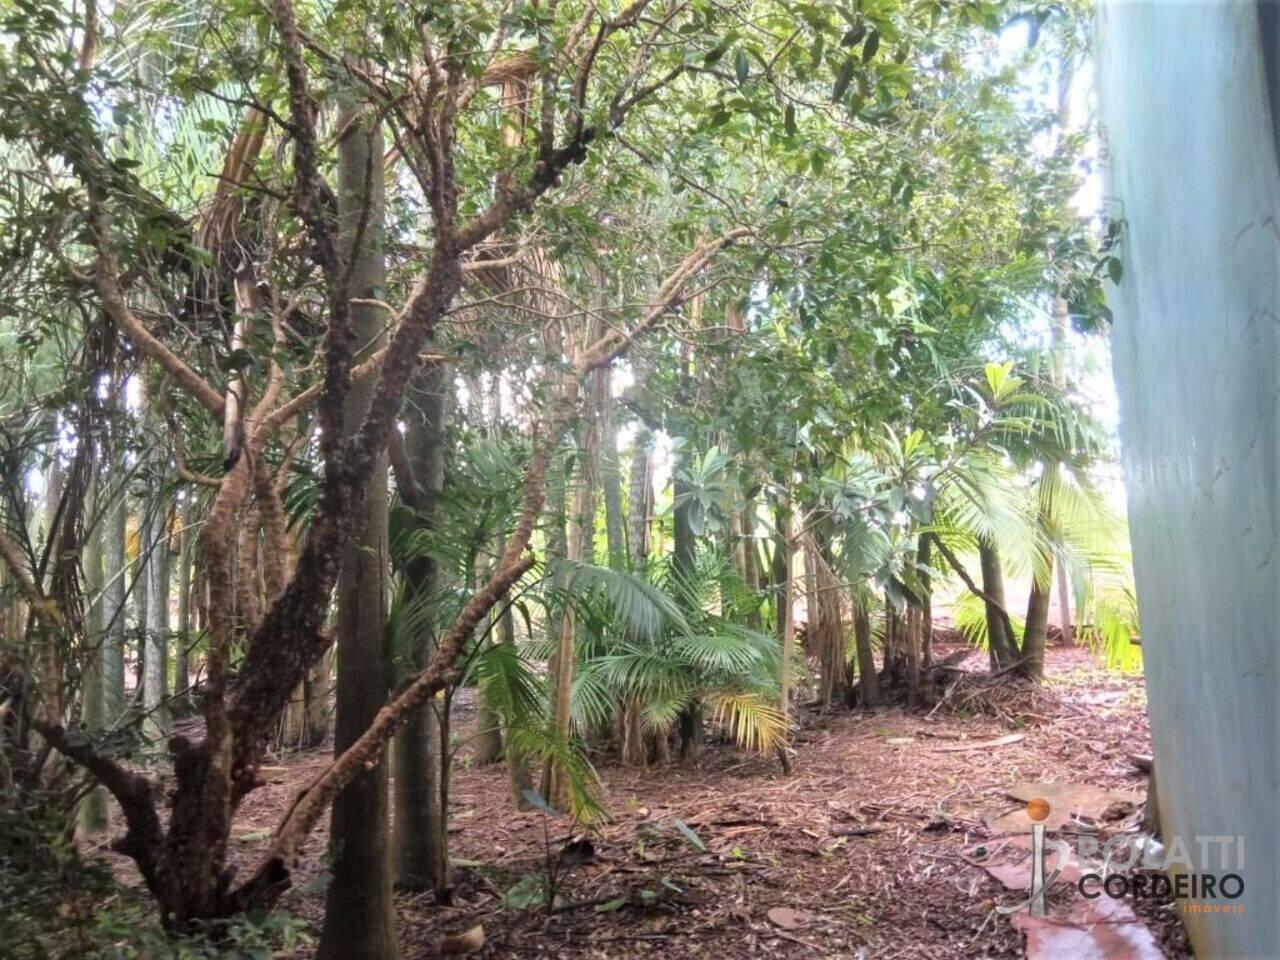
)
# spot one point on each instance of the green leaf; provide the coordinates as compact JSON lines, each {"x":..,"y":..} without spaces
{"x":815,"y":53}
{"x":609,"y":906}
{"x":527,"y":892}
{"x":690,"y":836}
{"x":871,"y":46}
{"x":843,"y":78}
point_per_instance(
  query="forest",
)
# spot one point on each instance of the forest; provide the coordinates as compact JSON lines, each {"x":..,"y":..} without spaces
{"x":594,"y":478}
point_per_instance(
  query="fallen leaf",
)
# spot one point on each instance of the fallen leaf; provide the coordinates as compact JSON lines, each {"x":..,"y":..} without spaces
{"x":466,"y":942}
{"x":788,"y":919}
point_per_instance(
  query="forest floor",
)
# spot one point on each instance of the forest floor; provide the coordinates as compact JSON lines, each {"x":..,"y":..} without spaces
{"x":878,"y":844}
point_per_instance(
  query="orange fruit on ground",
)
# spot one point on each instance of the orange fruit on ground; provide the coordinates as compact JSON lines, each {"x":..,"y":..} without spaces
{"x":1038,"y":808}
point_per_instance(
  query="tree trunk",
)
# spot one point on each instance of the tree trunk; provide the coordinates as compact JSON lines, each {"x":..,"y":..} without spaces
{"x":93,"y":810}
{"x":50,"y":672}
{"x":422,"y":861}
{"x":611,"y":478}
{"x":911,"y":637}
{"x":156,"y":657}
{"x":1037,"y":627}
{"x":139,"y":594}
{"x":519,"y":775}
{"x":924,"y":556}
{"x":488,"y":743}
{"x":750,"y":558}
{"x":1065,"y":627}
{"x":784,"y":569}
{"x":684,"y":561}
{"x":826,"y":639}
{"x":641,"y":498}
{"x":182,"y":643}
{"x":868,"y":681}
{"x":359,"y":912}
{"x":115,"y":584}
{"x":555,"y":785}
{"x":315,"y":694}
{"x":1000,"y":644}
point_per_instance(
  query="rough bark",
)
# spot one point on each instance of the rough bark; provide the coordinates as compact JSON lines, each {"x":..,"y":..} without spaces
{"x":868,"y":680}
{"x":826,"y":636}
{"x":1001,"y":642}
{"x":1033,"y":637}
{"x":359,"y":909}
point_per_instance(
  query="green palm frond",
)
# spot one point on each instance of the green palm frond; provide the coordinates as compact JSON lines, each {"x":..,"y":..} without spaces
{"x":509,"y":684}
{"x":632,"y":606}
{"x":724,"y":652}
{"x":568,"y":757}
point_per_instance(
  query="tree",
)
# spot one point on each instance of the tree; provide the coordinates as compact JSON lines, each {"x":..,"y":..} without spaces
{"x":359,"y":910}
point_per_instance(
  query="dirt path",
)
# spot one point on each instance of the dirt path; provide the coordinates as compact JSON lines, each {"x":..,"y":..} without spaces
{"x":870,"y":848}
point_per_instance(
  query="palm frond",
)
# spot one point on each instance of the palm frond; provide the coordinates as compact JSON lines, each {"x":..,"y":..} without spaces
{"x":754,"y":722}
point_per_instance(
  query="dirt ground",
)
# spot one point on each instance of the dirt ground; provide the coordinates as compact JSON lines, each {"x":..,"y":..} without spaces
{"x":874,"y":846}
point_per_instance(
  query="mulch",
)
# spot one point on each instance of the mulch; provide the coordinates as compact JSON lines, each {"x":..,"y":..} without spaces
{"x":865,"y":850}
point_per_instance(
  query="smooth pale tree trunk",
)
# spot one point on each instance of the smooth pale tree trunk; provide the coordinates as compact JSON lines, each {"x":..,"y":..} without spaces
{"x":182,"y":642}
{"x":784,"y":567}
{"x":684,"y":560}
{"x":115,"y":570}
{"x":611,"y":476}
{"x":155,"y":660}
{"x":420,"y":758}
{"x":555,"y":783}
{"x":1065,"y":627}
{"x":140,"y":605}
{"x":750,"y":558}
{"x":635,"y":745}
{"x":1190,"y":96}
{"x":49,"y":649}
{"x":1001,"y":646}
{"x":519,"y":774}
{"x":488,"y":744}
{"x":93,"y":811}
{"x":641,"y":497}
{"x":581,"y":549}
{"x":1058,"y":374}
{"x":924,"y":556}
{"x":359,"y":912}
